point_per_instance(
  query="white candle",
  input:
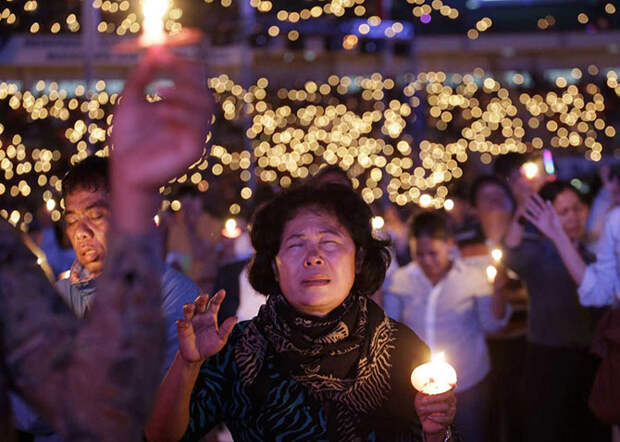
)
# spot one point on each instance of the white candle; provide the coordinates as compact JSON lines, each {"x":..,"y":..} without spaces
{"x":153,"y":25}
{"x":491,"y":274}
{"x":434,"y":377}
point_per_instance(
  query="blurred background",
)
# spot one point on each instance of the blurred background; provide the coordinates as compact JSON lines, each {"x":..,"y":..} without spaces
{"x":410,"y":97}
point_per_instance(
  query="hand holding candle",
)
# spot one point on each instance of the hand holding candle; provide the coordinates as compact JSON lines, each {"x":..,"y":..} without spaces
{"x":435,"y":402}
{"x":163,"y":138}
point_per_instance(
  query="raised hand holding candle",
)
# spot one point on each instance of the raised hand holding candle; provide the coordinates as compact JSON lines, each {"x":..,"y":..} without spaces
{"x":434,"y":377}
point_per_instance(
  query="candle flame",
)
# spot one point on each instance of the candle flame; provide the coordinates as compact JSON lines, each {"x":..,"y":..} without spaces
{"x":230,"y":225}
{"x":231,"y":229}
{"x":377,"y":222}
{"x":438,"y":357}
{"x":491,"y":274}
{"x":497,"y":255}
{"x":153,"y":25}
{"x":530,"y":170}
{"x":425,"y":200}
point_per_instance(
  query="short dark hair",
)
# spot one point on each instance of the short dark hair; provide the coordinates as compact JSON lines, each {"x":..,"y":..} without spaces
{"x":331,"y":174}
{"x":90,"y":174}
{"x":550,"y":191}
{"x":505,"y":164}
{"x":484,"y":180}
{"x":433,"y":224}
{"x":342,"y":202}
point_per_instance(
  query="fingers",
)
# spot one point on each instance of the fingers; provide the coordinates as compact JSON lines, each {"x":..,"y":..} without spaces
{"x":201,"y":303}
{"x":437,"y":398}
{"x":199,"y":99}
{"x":144,"y":73}
{"x":441,"y":419}
{"x":216,"y":302}
{"x":159,"y":60}
{"x":533,"y":219}
{"x":189,"y":311}
{"x":443,"y":407}
{"x":178,"y":117}
{"x":227,"y":327}
{"x":184,"y":327}
{"x":534,"y":206}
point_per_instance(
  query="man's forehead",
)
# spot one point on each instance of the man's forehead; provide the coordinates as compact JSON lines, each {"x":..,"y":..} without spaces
{"x":83,"y":198}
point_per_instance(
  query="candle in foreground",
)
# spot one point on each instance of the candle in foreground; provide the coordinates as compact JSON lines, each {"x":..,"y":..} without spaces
{"x":434,"y":377}
{"x":491,"y":274}
{"x":153,"y":25}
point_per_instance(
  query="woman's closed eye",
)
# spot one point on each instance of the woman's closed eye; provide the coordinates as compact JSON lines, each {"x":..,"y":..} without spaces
{"x":330,"y":243}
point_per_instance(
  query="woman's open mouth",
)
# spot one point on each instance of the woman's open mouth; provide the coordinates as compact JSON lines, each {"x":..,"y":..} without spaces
{"x":314,"y":282}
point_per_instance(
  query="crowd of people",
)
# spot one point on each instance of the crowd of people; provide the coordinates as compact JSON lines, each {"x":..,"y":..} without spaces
{"x":316,"y":319}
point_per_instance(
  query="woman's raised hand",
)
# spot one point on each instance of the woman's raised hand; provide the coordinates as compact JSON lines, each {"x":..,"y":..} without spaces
{"x":199,"y":335}
{"x":542,"y":214}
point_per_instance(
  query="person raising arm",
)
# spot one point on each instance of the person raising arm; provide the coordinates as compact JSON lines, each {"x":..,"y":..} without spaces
{"x":95,"y":381}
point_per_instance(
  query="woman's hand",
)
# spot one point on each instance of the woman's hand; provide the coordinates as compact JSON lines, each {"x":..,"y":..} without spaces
{"x":198,"y":333}
{"x":436,"y":412}
{"x":542,"y":214}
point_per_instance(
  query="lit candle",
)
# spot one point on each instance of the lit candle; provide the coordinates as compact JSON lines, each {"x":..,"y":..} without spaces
{"x":156,"y":220}
{"x":491,"y":274}
{"x":231,"y":229}
{"x":425,"y":200}
{"x":153,"y":25}
{"x":434,"y":377}
{"x":153,"y":30}
{"x":497,"y":255}
{"x":530,"y":170}
{"x":377,"y":222}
